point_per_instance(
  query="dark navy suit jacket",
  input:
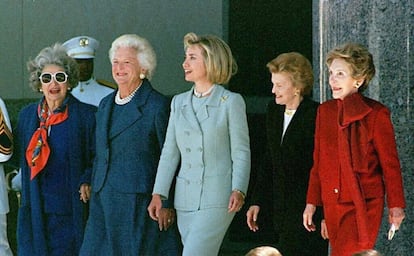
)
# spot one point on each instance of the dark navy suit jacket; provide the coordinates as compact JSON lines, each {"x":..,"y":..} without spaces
{"x":134,"y":162}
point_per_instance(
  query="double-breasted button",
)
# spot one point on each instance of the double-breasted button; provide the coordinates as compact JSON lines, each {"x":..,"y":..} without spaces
{"x":336,"y":191}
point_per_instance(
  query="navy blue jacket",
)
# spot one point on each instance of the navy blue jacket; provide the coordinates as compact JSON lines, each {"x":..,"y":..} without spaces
{"x":78,"y":137}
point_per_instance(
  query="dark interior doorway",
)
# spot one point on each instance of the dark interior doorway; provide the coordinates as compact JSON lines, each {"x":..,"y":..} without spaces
{"x":259,"y":30}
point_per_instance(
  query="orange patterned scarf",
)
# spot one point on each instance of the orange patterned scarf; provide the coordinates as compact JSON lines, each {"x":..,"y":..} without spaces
{"x":38,"y":151}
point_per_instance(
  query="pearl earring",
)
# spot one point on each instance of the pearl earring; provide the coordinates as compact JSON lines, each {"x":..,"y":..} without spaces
{"x":142,"y":76}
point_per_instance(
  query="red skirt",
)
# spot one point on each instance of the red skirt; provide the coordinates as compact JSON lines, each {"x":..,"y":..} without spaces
{"x":342,"y":226}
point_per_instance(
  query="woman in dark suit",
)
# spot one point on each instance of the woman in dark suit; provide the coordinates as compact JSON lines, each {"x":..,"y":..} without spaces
{"x":130,"y":132}
{"x":55,"y":146}
{"x":290,"y":132}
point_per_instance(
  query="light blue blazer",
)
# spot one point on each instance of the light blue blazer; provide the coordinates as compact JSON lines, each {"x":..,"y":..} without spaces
{"x":213,"y":149}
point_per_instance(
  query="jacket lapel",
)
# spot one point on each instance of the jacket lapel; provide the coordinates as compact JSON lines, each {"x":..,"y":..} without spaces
{"x":203,"y":114}
{"x":133,"y":110}
{"x":296,"y":119}
{"x":103,"y":118}
{"x":213,"y":101}
{"x":188,"y":112}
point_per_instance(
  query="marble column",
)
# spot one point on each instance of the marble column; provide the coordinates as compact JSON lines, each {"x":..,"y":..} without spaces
{"x":386,"y":27}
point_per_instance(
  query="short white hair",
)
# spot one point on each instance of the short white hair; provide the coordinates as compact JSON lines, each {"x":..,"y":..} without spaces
{"x":145,"y":53}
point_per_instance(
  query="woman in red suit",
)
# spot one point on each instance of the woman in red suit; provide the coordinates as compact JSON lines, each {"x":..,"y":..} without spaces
{"x":355,"y":158}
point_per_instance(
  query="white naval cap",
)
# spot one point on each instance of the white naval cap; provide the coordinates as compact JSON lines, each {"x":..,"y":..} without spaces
{"x":81,"y":47}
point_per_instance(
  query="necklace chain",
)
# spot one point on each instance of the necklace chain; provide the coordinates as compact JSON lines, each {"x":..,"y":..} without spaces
{"x":290,"y":112}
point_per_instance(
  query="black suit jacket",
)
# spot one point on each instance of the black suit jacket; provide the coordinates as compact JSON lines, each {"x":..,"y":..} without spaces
{"x":283,"y":179}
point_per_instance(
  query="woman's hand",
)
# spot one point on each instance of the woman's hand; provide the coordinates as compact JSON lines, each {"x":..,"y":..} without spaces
{"x":307,"y":217}
{"x":396,"y":216}
{"x":154,"y":207}
{"x":84,"y":192}
{"x":165,"y":217}
{"x":236,"y":201}
{"x":251,"y":215}
{"x":324,"y":230}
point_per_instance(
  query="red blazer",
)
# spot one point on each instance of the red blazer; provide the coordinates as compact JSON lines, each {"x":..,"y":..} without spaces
{"x":374,"y":160}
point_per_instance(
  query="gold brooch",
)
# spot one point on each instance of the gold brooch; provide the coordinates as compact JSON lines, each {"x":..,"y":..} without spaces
{"x":224,"y":98}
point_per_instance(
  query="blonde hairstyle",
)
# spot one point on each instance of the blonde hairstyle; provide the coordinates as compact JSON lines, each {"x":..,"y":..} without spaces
{"x":359,"y":59}
{"x":298,"y":67}
{"x":264,"y":251}
{"x":145,"y":53}
{"x":218,"y":59}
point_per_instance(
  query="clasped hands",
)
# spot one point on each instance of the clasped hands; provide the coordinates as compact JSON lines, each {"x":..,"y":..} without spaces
{"x":164,"y":216}
{"x":84,"y":192}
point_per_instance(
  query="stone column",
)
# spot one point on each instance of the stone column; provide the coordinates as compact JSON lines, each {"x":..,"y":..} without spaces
{"x":386,"y":27}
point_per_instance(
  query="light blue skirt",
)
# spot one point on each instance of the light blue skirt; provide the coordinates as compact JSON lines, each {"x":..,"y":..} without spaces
{"x":202,"y":231}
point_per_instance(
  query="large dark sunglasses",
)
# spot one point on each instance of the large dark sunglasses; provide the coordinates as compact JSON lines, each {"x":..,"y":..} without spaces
{"x":60,"y":77}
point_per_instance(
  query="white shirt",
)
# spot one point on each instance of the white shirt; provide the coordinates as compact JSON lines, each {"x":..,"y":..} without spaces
{"x":286,"y":121}
{"x":91,"y":92}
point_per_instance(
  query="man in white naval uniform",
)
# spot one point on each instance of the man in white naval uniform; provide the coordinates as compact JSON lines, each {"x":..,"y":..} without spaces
{"x":89,"y":90}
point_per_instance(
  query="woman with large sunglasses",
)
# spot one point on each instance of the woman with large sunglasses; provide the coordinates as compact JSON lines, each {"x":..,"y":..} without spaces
{"x":55,"y":149}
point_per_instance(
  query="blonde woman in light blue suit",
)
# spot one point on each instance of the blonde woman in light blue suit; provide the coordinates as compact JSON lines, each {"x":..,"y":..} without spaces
{"x":208,"y":136}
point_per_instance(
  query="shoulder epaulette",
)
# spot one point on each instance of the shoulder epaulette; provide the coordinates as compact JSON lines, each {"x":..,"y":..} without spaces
{"x":106,"y":83}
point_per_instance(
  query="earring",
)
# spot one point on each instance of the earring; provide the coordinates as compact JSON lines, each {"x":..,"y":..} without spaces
{"x":142,"y":76}
{"x":356,"y":85}
{"x":40,"y":90}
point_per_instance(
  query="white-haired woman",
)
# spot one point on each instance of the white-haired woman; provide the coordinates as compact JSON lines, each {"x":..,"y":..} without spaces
{"x":130,"y":132}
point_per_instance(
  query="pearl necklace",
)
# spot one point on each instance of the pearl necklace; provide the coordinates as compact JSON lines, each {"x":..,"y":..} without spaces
{"x":202,"y":94}
{"x":120,"y":101}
